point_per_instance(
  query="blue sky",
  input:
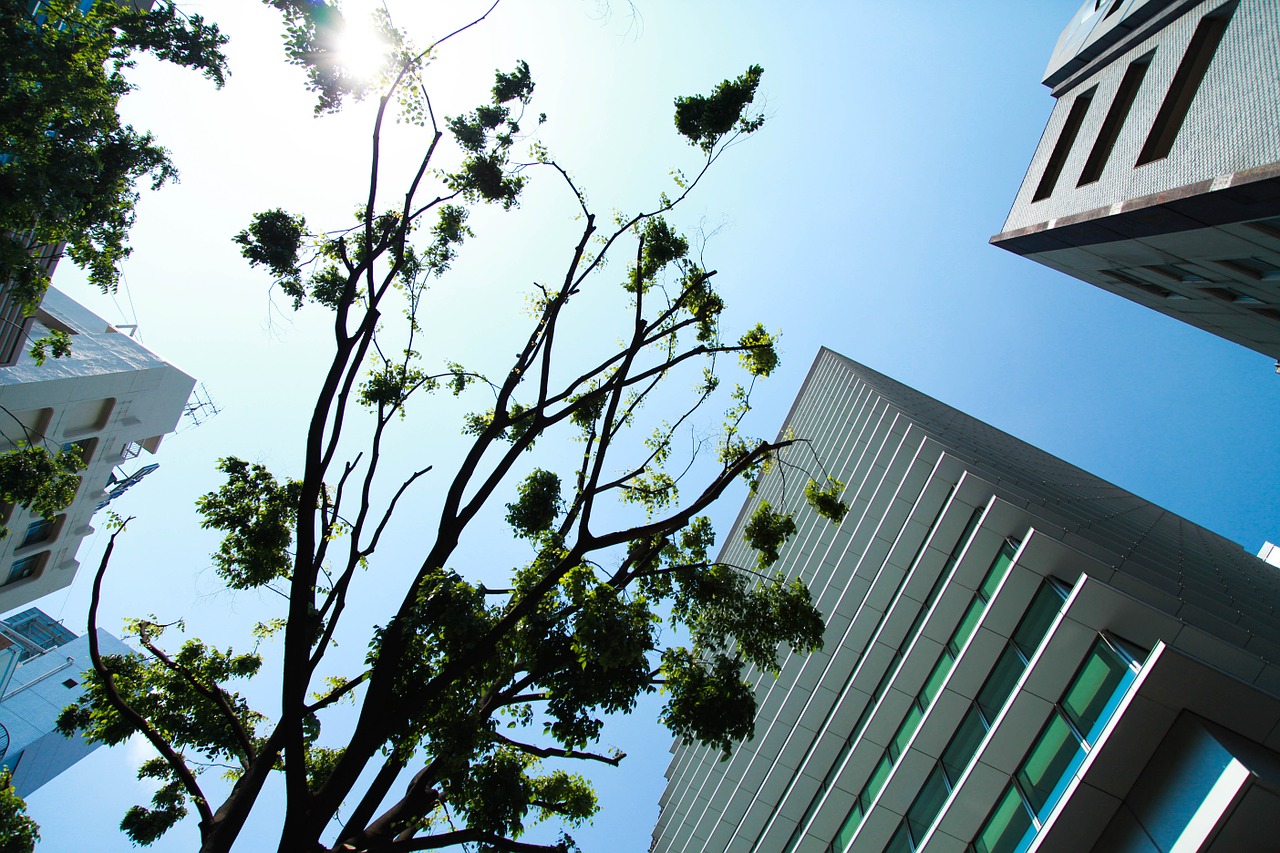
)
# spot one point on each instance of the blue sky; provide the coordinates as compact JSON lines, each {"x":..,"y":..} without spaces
{"x":857,"y":219}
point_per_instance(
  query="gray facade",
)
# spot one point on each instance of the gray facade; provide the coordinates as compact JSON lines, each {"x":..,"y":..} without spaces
{"x":1014,"y":650}
{"x":1158,"y":174}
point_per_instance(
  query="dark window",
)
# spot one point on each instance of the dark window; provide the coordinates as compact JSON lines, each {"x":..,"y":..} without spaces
{"x":1173,"y":272}
{"x":24,"y":568}
{"x":1066,"y":139}
{"x":1115,"y":119}
{"x":928,"y":804}
{"x":1153,"y":289}
{"x":1122,"y":276}
{"x":1039,"y":616}
{"x":964,"y":745}
{"x":1115,"y":7}
{"x":1269,"y":227}
{"x":1253,"y":268}
{"x":70,"y":682}
{"x":1226,"y":294}
{"x":901,"y":842}
{"x":38,"y":531}
{"x":1186,"y":82}
{"x":999,"y":685}
{"x":1007,"y":825}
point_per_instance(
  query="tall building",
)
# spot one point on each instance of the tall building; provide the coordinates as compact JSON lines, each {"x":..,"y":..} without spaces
{"x":41,"y":663}
{"x":1018,"y":656}
{"x":111,"y":398}
{"x":1158,"y":174}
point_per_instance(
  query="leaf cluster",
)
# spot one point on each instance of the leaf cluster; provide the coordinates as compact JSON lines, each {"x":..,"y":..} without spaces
{"x":182,"y":698}
{"x":705,"y":119}
{"x":44,"y":482}
{"x":258,"y":514}
{"x":18,"y":832}
{"x":68,"y":164}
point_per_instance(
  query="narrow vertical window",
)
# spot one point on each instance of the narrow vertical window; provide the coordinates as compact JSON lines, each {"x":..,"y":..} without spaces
{"x":1186,"y":82}
{"x":1114,"y":122}
{"x":1066,"y":139}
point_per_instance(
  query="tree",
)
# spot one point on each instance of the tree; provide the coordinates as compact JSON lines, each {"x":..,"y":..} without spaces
{"x":18,"y":833}
{"x":67,"y":173}
{"x":473,"y":700}
{"x":67,"y":164}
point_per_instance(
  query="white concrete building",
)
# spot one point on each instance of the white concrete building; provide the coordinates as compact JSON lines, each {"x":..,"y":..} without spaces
{"x":112,"y":398}
{"x":1018,"y":656}
{"x":1158,"y":175}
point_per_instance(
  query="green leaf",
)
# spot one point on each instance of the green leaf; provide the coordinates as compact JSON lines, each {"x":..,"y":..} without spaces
{"x":825,"y":500}
{"x":537,"y":506}
{"x":705,"y":119}
{"x":257,"y":512}
{"x":18,"y":833}
{"x":43,"y":482}
{"x":767,"y":531}
{"x":759,"y":354}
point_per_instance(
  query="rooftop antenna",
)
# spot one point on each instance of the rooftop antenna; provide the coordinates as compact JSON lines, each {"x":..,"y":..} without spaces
{"x":199,"y":408}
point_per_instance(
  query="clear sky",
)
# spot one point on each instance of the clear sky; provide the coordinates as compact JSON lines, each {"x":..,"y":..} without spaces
{"x":857,"y":219}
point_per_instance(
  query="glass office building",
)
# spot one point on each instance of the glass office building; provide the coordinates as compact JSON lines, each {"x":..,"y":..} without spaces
{"x":1019,"y":656}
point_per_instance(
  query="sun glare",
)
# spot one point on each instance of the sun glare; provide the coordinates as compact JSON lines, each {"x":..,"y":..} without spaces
{"x":362,"y":48}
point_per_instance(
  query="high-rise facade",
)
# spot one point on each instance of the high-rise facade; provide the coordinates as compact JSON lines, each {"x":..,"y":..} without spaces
{"x":111,"y":399}
{"x":1158,"y":174}
{"x":1018,"y":656}
{"x":41,"y":666}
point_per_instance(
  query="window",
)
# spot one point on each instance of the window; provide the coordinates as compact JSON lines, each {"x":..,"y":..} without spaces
{"x":131,"y":450}
{"x":1114,"y":122}
{"x":1066,"y":139}
{"x":1269,"y":227}
{"x":1048,"y":764}
{"x":928,"y":803}
{"x":1123,"y":277}
{"x":1004,"y":675}
{"x":38,"y":531}
{"x":1071,"y":730}
{"x":84,"y":448}
{"x":933,"y":684}
{"x":69,"y":683}
{"x":1008,"y":824}
{"x":1089,"y":700}
{"x":964,"y":744}
{"x":1253,"y":268}
{"x":1035,"y":624}
{"x":924,"y":699}
{"x":1155,"y":290}
{"x":906,"y":730}
{"x":1186,"y":82}
{"x":1173,"y":272}
{"x":24,"y":568}
{"x":901,"y":841}
{"x":1226,"y":294}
